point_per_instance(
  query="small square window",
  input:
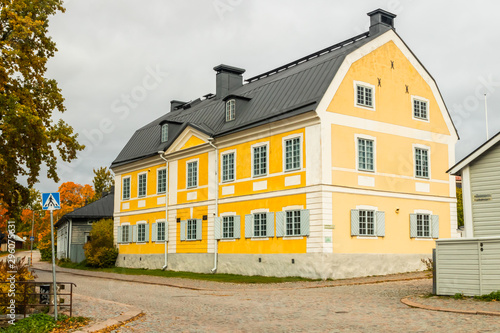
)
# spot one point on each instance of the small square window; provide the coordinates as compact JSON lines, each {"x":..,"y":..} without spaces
{"x":420,"y":109}
{"x":230,"y":110}
{"x":364,"y":96}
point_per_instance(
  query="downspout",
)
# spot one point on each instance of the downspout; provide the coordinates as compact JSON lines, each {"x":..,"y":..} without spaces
{"x":161,"y":152}
{"x":70,"y":234}
{"x":210,"y":141}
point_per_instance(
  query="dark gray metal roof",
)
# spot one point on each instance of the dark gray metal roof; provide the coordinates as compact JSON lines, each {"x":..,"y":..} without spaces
{"x":286,"y":91}
{"x":100,"y":209}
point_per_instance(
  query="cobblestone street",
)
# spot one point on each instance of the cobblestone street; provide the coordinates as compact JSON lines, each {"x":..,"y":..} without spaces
{"x":361,"y":308}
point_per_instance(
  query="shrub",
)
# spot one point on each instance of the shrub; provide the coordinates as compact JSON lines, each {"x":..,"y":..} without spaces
{"x":491,"y":297}
{"x":100,"y":251}
{"x":428,"y":264}
{"x":22,"y":274}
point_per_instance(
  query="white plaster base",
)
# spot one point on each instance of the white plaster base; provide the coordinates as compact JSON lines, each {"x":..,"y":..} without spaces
{"x":311,"y":265}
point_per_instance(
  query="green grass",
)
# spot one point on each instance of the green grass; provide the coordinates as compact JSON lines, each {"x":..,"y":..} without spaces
{"x":43,"y":323}
{"x":491,"y":297}
{"x":231,"y":278}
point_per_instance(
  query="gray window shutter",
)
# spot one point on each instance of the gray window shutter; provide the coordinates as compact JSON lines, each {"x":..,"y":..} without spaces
{"x":183,"y":230}
{"x":217,"y":227}
{"x":270,"y":224}
{"x":413,"y":225}
{"x":237,"y":226}
{"x":134,"y":233}
{"x":146,"y":233}
{"x":380,"y":224}
{"x":280,"y":224}
{"x":198,"y":229}
{"x":354,"y":222}
{"x":435,"y":226}
{"x":248,"y":226}
{"x":119,"y":235}
{"x":154,"y":232}
{"x":304,"y":222}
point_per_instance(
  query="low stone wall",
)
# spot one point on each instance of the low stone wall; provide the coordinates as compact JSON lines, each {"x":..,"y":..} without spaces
{"x":310,"y":265}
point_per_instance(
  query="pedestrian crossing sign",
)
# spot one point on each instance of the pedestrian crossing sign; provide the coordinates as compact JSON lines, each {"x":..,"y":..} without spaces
{"x":51,"y":201}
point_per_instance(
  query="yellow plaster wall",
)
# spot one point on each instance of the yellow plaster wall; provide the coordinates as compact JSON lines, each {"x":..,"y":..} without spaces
{"x":273,"y":244}
{"x":392,"y":104}
{"x":143,"y":248}
{"x":397,"y":225}
{"x":192,"y":141}
{"x":201,"y":189}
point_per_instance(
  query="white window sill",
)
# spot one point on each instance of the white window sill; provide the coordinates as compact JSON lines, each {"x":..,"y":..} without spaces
{"x":159,"y":242}
{"x":424,"y":238}
{"x":259,"y":238}
{"x":228,"y":240}
{"x":123,"y":243}
{"x":292,"y":237}
{"x":367,"y":237}
{"x":370,"y":108}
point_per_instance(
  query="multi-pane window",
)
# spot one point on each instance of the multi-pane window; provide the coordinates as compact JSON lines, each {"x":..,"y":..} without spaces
{"x":164,"y":133}
{"x":142,"y":185}
{"x":141,"y":232}
{"x":421,"y":163}
{"x":292,"y":154}
{"x":260,"y":160}
{"x":230,"y":109}
{"x":365,"y":155}
{"x":260,"y":224}
{"x":366,"y":222}
{"x":292,"y":223}
{"x":364,"y":96}
{"x":228,"y":227}
{"x":162,"y":181}
{"x":192,"y":174}
{"x":191,"y":229}
{"x":423,"y":225}
{"x":126,"y":188}
{"x":420,"y":109}
{"x":228,"y":167}
{"x":125,"y":233}
{"x":160,"y":233}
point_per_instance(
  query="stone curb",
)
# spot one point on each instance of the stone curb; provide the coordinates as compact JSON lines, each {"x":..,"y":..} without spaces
{"x":413,"y":304}
{"x":118,"y":320}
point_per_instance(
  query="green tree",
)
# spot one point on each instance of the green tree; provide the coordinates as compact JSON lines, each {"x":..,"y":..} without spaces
{"x":29,"y":136}
{"x":103,"y":180}
{"x":100,"y":251}
{"x":460,"y":207}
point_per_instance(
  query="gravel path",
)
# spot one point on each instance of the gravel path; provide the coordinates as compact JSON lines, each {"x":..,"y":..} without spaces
{"x":355,"y":308}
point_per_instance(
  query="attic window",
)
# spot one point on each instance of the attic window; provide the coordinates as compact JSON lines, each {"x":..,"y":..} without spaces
{"x":230,"y":109}
{"x":164,"y":133}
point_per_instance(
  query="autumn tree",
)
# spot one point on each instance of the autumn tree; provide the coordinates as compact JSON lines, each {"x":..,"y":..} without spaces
{"x":103,"y":180}
{"x":29,"y":136}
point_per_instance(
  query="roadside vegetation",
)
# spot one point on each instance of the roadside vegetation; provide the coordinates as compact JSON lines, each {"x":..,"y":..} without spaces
{"x":43,"y":323}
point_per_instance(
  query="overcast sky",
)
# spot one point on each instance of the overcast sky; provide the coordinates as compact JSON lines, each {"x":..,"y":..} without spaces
{"x":121,"y":62}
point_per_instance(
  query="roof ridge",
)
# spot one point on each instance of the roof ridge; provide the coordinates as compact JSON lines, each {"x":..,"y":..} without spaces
{"x":309,"y":57}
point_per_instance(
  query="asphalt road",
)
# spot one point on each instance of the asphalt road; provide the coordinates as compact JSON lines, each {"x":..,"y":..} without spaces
{"x":362,"y":308}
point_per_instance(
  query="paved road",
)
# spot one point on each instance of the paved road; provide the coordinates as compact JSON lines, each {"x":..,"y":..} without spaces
{"x":365,"y":308}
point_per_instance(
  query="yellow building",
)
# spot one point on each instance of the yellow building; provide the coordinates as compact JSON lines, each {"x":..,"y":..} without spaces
{"x":330,"y":166}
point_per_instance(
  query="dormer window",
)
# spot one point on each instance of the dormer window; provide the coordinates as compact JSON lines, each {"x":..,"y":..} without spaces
{"x":164,"y":133}
{"x":230,"y":109}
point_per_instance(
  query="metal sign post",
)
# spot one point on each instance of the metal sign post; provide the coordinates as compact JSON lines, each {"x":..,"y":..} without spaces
{"x":51,"y":201}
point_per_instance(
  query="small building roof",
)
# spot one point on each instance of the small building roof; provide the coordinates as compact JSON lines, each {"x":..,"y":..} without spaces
{"x":457,"y":168}
{"x":100,"y":209}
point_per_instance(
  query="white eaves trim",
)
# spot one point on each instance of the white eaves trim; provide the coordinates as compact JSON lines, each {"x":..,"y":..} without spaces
{"x":475,"y":154}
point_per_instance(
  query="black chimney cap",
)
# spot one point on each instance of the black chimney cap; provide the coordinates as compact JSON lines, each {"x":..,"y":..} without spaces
{"x":228,"y":69}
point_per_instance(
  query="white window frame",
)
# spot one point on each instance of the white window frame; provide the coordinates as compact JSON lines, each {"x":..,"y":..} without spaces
{"x":227,"y":152}
{"x":129,"y":227}
{"x":365,"y":85}
{"x":129,"y":187}
{"x":419,"y":146}
{"x":300,"y":136}
{"x":366,"y":137}
{"x":231,"y":105}
{"x":158,"y":180}
{"x":258,"y":145}
{"x":146,"y":225}
{"x":420,"y":99}
{"x":139,"y":184}
{"x":187,"y":229}
{"x":196,"y":160}
{"x":222,"y":226}
{"x":164,"y":232}
{"x":375,"y":210}
{"x":253,"y":225}
{"x":424,"y":212}
{"x":164,"y":138}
